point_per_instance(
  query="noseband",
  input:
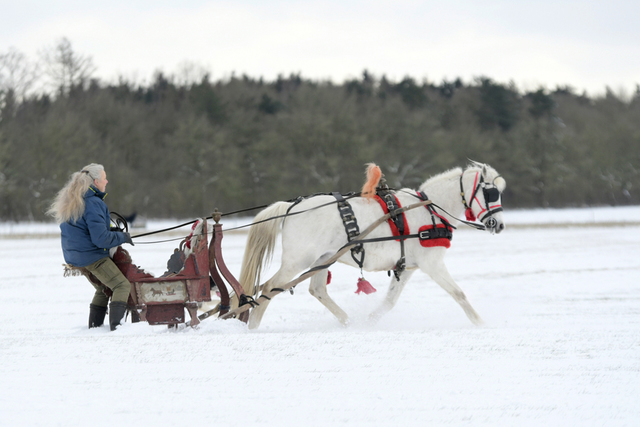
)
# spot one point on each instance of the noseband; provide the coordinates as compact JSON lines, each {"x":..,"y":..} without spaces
{"x":491,"y":195}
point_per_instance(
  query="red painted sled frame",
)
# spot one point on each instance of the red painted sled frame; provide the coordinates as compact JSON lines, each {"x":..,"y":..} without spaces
{"x":163,"y":300}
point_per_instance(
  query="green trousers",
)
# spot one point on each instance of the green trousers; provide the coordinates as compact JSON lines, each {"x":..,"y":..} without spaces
{"x":111,"y":276}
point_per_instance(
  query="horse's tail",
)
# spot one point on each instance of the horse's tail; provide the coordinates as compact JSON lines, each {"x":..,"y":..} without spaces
{"x":260,"y":244}
{"x":373,"y":179}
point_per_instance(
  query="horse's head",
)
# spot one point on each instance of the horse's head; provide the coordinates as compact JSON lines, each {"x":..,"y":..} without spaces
{"x":485,"y":203}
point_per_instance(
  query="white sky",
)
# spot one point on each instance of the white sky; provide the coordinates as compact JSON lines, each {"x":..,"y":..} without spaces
{"x":585,"y":44}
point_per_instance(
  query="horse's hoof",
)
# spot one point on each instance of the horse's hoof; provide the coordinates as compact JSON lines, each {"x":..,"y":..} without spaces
{"x":253,"y":324}
{"x":478,"y":321}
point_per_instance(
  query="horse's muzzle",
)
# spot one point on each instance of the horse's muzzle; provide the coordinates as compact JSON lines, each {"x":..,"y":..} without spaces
{"x":493,"y":225}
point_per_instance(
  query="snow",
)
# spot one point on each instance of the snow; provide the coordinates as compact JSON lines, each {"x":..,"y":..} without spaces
{"x":560,"y":344}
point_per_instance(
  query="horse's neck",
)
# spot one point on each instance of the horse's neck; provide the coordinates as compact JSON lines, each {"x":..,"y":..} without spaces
{"x":445,"y":193}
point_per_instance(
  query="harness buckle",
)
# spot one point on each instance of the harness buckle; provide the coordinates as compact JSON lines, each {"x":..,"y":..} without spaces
{"x":348,"y":217}
{"x":435,"y":233}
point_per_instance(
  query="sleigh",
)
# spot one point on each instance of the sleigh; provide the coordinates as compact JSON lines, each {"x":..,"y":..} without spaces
{"x":193,"y":271}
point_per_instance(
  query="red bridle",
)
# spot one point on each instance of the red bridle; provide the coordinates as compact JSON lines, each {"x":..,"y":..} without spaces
{"x":491,"y":193}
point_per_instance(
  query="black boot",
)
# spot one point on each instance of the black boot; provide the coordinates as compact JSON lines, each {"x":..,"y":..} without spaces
{"x":96,"y":315}
{"x":117,"y":311}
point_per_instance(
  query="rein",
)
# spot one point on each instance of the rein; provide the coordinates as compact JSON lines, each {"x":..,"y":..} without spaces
{"x":294,"y":201}
{"x":192,"y":222}
{"x":467,"y":205}
{"x":475,"y":225}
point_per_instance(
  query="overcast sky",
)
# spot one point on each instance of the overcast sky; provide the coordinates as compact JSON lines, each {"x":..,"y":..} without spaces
{"x":585,"y":44}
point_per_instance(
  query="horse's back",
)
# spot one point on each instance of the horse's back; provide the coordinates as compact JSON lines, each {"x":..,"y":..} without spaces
{"x":319,"y":230}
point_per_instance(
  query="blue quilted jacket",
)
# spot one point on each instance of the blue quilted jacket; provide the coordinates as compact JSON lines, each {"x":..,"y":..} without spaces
{"x":90,"y":238}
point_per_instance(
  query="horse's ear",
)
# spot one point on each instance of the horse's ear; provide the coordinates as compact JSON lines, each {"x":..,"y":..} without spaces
{"x":484,"y":171}
{"x":473,"y":163}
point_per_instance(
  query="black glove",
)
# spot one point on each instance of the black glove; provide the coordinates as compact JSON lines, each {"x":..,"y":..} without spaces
{"x":127,"y":239}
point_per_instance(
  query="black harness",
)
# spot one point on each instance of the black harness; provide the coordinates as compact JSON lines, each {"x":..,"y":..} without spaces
{"x":352,"y":230}
{"x":390,"y":200}
{"x":350,"y":227}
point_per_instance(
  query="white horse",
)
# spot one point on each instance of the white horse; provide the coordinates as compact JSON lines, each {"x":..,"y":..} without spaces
{"x":309,"y":239}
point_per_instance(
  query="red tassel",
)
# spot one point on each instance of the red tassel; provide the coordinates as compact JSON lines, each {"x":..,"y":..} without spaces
{"x":469,"y":214}
{"x":328,"y":277}
{"x":188,"y":240}
{"x":365,"y":286}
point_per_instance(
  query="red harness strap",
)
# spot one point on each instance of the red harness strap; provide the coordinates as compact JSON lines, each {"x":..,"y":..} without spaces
{"x":433,"y":242}
{"x":392,"y":224}
{"x":430,"y":243}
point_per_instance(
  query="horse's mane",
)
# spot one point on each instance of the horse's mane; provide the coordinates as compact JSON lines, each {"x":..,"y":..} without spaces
{"x":457,"y":171}
{"x":444,"y":176}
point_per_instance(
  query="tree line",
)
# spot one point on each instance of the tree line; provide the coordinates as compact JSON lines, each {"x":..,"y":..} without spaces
{"x":180,"y":147}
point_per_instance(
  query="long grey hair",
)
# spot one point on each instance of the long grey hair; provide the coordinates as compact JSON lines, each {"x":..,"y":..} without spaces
{"x":68,"y":206}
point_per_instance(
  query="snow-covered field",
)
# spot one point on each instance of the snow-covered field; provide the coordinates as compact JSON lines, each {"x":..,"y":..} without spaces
{"x":560,"y":345}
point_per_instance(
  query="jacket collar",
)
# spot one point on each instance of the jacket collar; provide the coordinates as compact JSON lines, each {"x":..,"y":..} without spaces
{"x":93,"y":191}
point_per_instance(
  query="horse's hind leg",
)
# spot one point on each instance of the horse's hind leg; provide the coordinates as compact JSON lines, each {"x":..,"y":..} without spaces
{"x":395,"y":289}
{"x":283,"y":276}
{"x":439,"y":273}
{"x":318,"y":288}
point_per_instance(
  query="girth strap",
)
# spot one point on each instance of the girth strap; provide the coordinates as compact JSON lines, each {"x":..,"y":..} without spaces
{"x":390,"y":203}
{"x":398,"y":223}
{"x":350,"y":227}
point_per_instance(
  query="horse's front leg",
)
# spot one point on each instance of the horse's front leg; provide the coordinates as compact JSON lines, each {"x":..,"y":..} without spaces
{"x":436,"y":269}
{"x":395,"y":289}
{"x":318,"y":288}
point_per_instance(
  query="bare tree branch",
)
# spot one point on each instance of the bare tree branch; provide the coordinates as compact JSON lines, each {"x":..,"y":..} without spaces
{"x":17,"y":73}
{"x":65,"y":67}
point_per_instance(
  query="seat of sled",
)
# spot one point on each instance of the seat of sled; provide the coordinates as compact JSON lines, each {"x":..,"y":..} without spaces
{"x":162,"y":300}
